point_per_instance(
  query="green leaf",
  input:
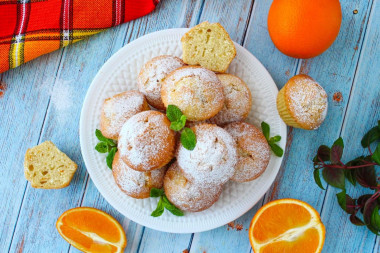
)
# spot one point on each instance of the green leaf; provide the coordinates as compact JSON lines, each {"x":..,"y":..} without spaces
{"x":100,"y":137}
{"x":101,"y":147}
{"x":266,"y":129}
{"x":346,"y":202}
{"x":110,"y":157}
{"x":350,"y":175}
{"x":277,"y":150}
{"x":173,"y":113}
{"x":188,"y":138}
{"x":336,"y":151}
{"x":375,"y":218}
{"x":366,"y":176}
{"x":171,"y":208}
{"x":371,"y":136}
{"x":317,"y":179}
{"x":179,"y":124}
{"x":155,"y":192}
{"x":159,"y":210}
{"x":334,"y":177}
{"x":356,"y":221}
{"x":376,"y":155}
{"x":276,"y":138}
{"x":369,"y":206}
{"x":323,"y":153}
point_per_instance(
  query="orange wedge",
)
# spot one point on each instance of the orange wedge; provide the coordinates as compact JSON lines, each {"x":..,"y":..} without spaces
{"x":91,"y":230}
{"x":287,"y":225}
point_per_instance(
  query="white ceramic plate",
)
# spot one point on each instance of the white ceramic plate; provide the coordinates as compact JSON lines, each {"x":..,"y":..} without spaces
{"x":119,"y":74}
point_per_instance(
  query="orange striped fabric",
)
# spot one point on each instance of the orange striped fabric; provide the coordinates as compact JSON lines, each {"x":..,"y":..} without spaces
{"x":30,"y":28}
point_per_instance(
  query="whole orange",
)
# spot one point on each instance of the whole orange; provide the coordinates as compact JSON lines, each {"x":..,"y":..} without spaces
{"x":304,"y":28}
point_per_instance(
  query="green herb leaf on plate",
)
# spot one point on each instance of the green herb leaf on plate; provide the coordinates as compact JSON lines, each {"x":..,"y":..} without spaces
{"x":110,"y":157}
{"x":266,"y":130}
{"x":188,"y":138}
{"x":159,"y":209}
{"x":277,"y":150}
{"x":173,"y":113}
{"x":155,"y":192}
{"x":171,"y":208}
{"x":100,"y":137}
{"x":179,"y":124}
{"x":101,"y":147}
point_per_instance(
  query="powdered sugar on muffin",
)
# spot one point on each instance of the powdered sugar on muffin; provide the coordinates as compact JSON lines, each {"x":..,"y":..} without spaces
{"x":195,"y":90}
{"x":118,"y":109}
{"x":253,"y":151}
{"x":146,"y":141}
{"x":237,"y":103}
{"x":135,"y":183}
{"x":186,"y":195}
{"x":213,"y":159}
{"x":152,"y":74}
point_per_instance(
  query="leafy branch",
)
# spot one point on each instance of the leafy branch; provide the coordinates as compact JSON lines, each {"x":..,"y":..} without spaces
{"x":360,"y":170}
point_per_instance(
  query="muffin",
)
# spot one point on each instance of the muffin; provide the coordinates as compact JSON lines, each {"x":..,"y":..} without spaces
{"x":195,"y":90}
{"x":118,"y":109}
{"x":302,"y":103}
{"x":237,"y":103}
{"x":186,"y":195}
{"x":152,"y":74}
{"x":209,"y":46}
{"x":134,"y":183}
{"x":146,"y":141}
{"x":253,"y":151}
{"x":213,"y":160}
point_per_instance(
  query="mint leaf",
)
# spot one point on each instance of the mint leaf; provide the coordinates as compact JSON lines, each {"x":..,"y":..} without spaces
{"x":375,"y":218}
{"x":173,"y":113}
{"x":317,"y":179}
{"x":276,"y":138}
{"x":170,"y":207}
{"x":110,"y":157}
{"x":179,"y":124}
{"x":356,"y":221}
{"x":277,"y":150}
{"x":371,"y":136}
{"x":159,"y":210}
{"x":100,"y":137}
{"x":368,"y":212}
{"x":334,"y":177}
{"x":266,"y":129}
{"x":154,"y":192}
{"x":376,"y":155}
{"x":101,"y":147}
{"x":188,"y":138}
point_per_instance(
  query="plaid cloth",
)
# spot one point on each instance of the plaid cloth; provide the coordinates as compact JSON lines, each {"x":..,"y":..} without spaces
{"x":30,"y":28}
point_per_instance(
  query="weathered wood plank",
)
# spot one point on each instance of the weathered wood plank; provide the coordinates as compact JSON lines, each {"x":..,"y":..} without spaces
{"x":41,"y":208}
{"x":169,"y":14}
{"x":22,"y":108}
{"x":362,"y":113}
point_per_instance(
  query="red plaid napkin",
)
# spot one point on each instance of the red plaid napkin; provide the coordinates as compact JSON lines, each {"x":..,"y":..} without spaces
{"x":30,"y":28}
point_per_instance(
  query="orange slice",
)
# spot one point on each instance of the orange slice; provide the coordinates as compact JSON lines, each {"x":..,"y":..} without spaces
{"x":287,"y":225}
{"x":91,"y":230}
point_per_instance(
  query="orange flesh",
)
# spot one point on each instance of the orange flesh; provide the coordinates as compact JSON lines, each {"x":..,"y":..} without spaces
{"x":88,"y":221}
{"x":291,"y":216}
{"x":307,"y":242}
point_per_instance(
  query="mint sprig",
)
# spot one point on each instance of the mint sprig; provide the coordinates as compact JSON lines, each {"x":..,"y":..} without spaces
{"x":163,"y":204}
{"x":360,"y":170}
{"x":178,"y":122}
{"x":277,"y":150}
{"x":106,"y":146}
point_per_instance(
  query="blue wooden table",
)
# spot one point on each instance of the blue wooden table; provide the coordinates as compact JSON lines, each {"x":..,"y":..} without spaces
{"x":42,"y":101}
